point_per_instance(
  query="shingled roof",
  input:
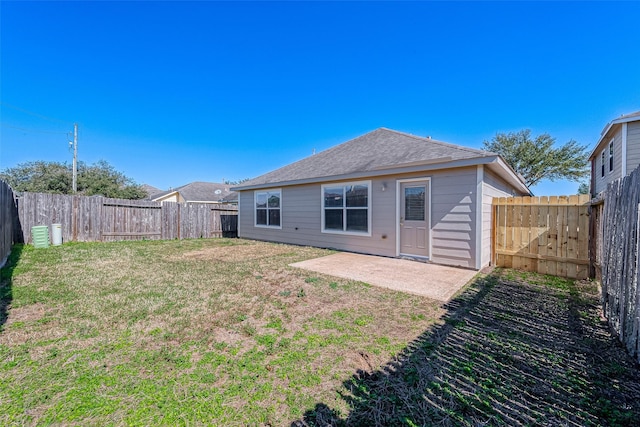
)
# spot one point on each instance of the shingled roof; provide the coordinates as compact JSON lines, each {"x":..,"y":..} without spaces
{"x":150,"y":190}
{"x":200,"y":192}
{"x":370,"y":154}
{"x":613,"y":124}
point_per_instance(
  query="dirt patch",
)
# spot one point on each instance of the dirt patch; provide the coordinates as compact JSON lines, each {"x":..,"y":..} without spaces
{"x":21,"y":326}
{"x":236,"y":253}
{"x":26,"y":313}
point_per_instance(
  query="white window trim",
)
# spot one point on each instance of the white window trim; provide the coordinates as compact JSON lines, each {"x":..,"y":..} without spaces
{"x":603,"y":166}
{"x":255,"y":202}
{"x":369,"y":210}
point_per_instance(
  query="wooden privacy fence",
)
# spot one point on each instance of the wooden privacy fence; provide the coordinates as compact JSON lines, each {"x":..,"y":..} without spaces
{"x":618,"y":249}
{"x":548,"y":235}
{"x":8,"y":220}
{"x":97,"y":218}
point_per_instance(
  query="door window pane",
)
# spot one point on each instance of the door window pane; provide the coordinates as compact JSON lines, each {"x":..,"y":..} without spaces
{"x":414,"y":203}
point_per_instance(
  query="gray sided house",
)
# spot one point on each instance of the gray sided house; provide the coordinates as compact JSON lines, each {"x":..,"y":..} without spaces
{"x":384,"y":193}
{"x":617,"y":152}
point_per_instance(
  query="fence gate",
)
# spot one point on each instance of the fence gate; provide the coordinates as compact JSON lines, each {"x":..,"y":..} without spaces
{"x":547,"y":235}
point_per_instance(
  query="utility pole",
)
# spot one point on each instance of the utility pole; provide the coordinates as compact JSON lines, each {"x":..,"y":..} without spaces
{"x":75,"y":157}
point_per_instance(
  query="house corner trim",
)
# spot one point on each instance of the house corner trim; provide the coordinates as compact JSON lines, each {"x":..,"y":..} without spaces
{"x":623,"y":150}
{"x":479,"y":212}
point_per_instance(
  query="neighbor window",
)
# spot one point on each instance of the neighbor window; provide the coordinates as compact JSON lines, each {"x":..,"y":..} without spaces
{"x":268,"y":208}
{"x":345,"y":208}
{"x":611,"y":156}
{"x":602,"y":158}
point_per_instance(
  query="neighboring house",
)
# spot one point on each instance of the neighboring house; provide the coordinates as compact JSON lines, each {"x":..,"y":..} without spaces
{"x":150,"y":190}
{"x":198,"y":192}
{"x":384,"y":193}
{"x":617,"y":152}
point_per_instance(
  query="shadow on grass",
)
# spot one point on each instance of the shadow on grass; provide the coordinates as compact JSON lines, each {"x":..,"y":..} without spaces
{"x":508,"y":353}
{"x":6,"y":281}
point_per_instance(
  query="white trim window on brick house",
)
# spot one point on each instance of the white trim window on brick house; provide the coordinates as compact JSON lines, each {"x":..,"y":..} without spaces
{"x":346,"y":208}
{"x":268,"y":208}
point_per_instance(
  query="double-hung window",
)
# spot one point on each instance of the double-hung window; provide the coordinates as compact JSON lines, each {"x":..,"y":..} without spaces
{"x":268,"y":208}
{"x":603,"y":162}
{"x":611,"y":156}
{"x":346,"y":208}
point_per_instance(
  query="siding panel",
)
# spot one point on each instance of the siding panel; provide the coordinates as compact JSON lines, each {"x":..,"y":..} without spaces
{"x":493,"y":186}
{"x":602,"y":181}
{"x":452,"y":212}
{"x":301,"y":221}
{"x":633,"y":146}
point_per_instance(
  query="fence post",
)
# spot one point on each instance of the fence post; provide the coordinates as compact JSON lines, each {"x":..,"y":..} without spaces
{"x":178,"y":221}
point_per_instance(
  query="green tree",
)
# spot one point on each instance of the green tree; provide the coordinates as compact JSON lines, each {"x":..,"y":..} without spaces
{"x":53,"y":177}
{"x":39,"y":177}
{"x":583,"y":188}
{"x":102,"y":178}
{"x":235,"y":182}
{"x":538,"y":158}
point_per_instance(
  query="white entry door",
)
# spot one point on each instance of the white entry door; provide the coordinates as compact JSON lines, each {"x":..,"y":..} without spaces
{"x":414,"y":218}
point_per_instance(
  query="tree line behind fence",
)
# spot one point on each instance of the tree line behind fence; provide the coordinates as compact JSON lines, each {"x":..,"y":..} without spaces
{"x":97,"y":218}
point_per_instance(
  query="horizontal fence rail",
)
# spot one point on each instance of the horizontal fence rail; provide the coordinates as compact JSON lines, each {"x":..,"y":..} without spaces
{"x":97,"y":218}
{"x":547,"y":235}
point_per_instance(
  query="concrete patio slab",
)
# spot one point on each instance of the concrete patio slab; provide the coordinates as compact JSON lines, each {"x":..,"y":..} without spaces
{"x":433,"y":281}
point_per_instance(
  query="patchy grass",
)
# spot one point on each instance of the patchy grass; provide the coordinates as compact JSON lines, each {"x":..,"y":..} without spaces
{"x":514,"y":349}
{"x":224,"y":332}
{"x":208,"y":332}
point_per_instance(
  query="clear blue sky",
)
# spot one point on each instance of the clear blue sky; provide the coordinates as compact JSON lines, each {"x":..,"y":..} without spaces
{"x":170,"y":93}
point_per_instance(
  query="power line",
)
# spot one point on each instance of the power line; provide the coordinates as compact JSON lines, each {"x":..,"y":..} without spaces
{"x":52,"y":119}
{"x":34,"y":130}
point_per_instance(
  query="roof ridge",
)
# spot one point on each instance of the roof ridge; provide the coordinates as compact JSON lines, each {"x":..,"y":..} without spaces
{"x":368,"y":152}
{"x":335,"y":147}
{"x":448,"y":144}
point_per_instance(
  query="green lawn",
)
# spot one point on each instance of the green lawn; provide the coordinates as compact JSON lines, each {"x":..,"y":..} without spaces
{"x":224,"y":332}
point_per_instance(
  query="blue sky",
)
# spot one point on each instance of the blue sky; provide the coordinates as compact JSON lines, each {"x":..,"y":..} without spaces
{"x":170,"y":93}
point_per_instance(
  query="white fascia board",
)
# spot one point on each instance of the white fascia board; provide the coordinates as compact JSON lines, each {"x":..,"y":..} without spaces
{"x":509,"y":175}
{"x":606,"y":130}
